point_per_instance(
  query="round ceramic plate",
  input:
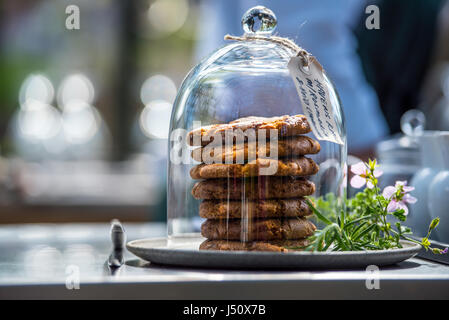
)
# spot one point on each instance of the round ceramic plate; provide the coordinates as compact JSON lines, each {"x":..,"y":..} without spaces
{"x":185,"y":252}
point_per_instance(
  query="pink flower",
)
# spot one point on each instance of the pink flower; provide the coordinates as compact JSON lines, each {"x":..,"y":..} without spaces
{"x":362,"y":173}
{"x":444,"y":251}
{"x":399,"y":196}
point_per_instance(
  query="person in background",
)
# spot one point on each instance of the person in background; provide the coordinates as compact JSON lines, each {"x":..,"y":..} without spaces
{"x":397,"y":58}
{"x":435,"y":89}
{"x":323,"y":28}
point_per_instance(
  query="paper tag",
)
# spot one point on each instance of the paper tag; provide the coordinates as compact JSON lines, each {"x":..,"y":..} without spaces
{"x":312,"y":91}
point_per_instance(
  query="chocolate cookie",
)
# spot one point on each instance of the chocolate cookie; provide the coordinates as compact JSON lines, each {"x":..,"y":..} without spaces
{"x":291,"y":147}
{"x":286,"y":125}
{"x":275,"y":245}
{"x":289,"y":167}
{"x":278,"y":208}
{"x":265,"y":229}
{"x":264,"y":187}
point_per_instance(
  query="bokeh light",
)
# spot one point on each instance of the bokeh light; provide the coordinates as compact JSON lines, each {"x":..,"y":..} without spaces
{"x":80,"y":122}
{"x":155,"y":119}
{"x":168,"y":16}
{"x":158,"y":87}
{"x":75,"y":87}
{"x":38,"y":120}
{"x":36,"y":87}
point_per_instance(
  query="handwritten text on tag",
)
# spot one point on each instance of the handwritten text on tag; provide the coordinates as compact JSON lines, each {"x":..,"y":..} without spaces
{"x":314,"y":96}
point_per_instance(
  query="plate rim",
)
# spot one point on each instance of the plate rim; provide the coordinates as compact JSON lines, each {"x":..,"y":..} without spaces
{"x":414,"y":247}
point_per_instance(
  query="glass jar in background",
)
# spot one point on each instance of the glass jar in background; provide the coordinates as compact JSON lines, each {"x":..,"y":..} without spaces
{"x":431,"y":164}
{"x":399,"y":156}
{"x":438,"y":194}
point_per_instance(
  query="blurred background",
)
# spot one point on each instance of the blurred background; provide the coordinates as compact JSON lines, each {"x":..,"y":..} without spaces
{"x":84,"y":114}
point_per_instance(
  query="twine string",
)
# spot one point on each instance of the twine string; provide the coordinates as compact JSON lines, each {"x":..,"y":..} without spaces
{"x":300,"y":52}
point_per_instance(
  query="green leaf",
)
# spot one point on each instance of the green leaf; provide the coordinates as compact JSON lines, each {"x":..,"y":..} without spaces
{"x":329,"y":243}
{"x":358,"y":228}
{"x":317,"y":213}
{"x":340,"y":241}
{"x":434,"y":223}
{"x":399,"y":214}
{"x":365,"y":231}
{"x":347,"y":225}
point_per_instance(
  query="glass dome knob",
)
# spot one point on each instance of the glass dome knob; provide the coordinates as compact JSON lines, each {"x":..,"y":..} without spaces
{"x":259,"y":21}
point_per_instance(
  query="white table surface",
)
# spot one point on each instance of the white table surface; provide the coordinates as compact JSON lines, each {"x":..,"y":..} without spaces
{"x":36,"y":260}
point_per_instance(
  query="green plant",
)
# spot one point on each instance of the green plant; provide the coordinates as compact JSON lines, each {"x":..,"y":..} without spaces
{"x":363,"y":224}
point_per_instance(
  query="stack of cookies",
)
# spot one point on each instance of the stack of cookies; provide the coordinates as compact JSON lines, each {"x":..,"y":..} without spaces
{"x":246,"y":209}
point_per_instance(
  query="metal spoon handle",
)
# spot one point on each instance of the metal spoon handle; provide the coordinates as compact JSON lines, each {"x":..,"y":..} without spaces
{"x":118,"y":238}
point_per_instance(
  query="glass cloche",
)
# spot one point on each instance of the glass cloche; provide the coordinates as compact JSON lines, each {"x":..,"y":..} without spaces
{"x":243,"y":153}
